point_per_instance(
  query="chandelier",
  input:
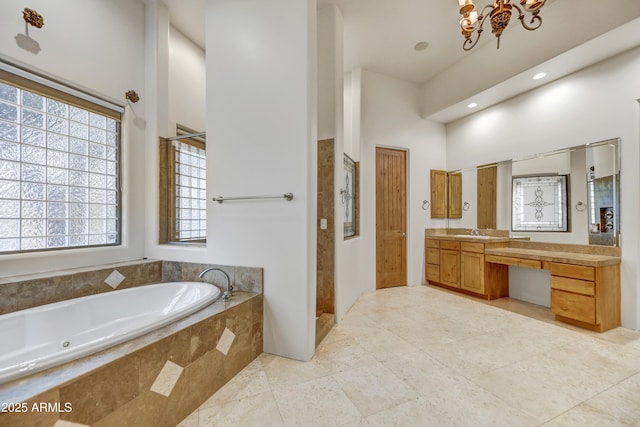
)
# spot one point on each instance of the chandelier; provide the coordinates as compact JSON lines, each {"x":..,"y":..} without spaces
{"x":471,"y":21}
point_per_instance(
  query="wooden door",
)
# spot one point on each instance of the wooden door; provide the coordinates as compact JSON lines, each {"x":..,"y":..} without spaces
{"x":391,"y":218}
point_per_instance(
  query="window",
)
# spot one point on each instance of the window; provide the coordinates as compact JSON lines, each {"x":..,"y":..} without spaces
{"x":59,"y":166}
{"x":350,"y":198}
{"x":540,"y":203}
{"x":183,"y":189}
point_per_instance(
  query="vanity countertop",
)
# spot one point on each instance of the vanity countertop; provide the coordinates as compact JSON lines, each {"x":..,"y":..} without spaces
{"x":589,"y":260}
{"x":469,"y":238}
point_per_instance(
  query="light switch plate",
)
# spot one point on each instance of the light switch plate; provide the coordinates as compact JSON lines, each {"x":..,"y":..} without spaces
{"x":323,"y":223}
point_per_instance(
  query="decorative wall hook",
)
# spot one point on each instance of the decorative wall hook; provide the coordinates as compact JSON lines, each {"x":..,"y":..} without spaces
{"x":32,"y":17}
{"x":425,"y":205}
{"x":132,"y":96}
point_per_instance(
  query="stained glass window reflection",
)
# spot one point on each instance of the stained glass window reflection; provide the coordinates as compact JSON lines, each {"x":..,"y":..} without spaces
{"x":540,"y":203}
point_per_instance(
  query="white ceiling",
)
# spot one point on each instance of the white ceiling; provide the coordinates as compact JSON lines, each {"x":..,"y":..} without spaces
{"x":379,"y":35}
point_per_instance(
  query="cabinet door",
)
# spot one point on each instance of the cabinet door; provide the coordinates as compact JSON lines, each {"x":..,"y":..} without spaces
{"x":455,"y":195}
{"x":472,"y":271}
{"x":438,"y":194}
{"x":450,"y":267}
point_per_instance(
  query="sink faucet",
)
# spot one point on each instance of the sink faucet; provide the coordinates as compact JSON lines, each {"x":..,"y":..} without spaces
{"x":226,"y":296}
{"x":475,"y":232}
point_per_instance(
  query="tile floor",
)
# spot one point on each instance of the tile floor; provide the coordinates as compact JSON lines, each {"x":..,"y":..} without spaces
{"x":421,"y":356}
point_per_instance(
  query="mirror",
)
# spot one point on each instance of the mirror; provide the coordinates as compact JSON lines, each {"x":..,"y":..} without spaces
{"x":565,"y":196}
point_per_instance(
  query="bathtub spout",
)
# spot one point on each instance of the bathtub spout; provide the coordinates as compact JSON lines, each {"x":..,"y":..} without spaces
{"x":226,"y":296}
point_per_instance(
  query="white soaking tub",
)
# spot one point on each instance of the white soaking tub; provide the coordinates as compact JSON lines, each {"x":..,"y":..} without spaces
{"x":41,"y":337}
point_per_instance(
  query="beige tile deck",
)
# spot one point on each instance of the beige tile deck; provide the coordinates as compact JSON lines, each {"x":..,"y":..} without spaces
{"x":420,"y":356}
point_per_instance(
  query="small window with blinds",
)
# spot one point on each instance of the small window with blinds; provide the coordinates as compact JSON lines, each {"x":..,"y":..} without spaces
{"x":183,"y":204}
{"x":59,"y":166}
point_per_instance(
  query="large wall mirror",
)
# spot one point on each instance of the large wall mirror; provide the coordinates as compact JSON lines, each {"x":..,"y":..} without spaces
{"x":566,"y":196}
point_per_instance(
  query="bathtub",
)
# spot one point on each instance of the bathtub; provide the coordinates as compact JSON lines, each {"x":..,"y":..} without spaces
{"x":41,"y":337}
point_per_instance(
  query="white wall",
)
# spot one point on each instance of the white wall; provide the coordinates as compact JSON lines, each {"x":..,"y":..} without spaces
{"x":187,"y":83}
{"x":262,"y":139}
{"x":102,"y":56}
{"x":596,"y":104}
{"x":390,"y":118}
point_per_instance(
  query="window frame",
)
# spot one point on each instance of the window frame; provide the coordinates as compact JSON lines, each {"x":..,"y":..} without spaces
{"x":167,"y":189}
{"x":44,"y":86}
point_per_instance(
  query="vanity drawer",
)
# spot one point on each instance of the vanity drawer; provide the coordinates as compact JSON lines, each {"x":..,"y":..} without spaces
{"x":433,"y":256}
{"x":433,"y":273}
{"x":430,"y":243}
{"x":472,"y":247}
{"x":518,"y":262}
{"x":573,"y":285}
{"x":573,"y":306}
{"x":450,"y":244}
{"x":573,"y":271}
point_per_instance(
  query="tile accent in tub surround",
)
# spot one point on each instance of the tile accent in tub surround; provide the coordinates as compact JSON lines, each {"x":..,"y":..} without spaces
{"x":167,"y":378}
{"x":224,"y":344}
{"x":114,"y":279}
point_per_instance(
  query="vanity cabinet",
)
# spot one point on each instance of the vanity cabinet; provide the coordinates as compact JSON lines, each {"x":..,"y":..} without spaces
{"x":438,"y":193}
{"x":462,"y":265}
{"x":455,"y":195}
{"x":586,"y":296}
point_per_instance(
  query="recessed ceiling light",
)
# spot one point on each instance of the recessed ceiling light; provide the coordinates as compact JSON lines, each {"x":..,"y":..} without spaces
{"x":539,"y":76}
{"x":472,"y":105}
{"x":420,"y":46}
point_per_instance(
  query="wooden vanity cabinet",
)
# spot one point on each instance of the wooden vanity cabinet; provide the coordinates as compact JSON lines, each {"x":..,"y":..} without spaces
{"x":586,"y":296}
{"x":438,"y":193}
{"x":432,"y":261}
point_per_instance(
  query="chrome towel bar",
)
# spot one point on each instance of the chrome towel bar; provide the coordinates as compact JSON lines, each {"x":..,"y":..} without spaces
{"x":287,"y":196}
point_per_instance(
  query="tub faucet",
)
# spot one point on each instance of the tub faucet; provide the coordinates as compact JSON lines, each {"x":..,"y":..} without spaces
{"x":226,"y":296}
{"x":475,"y":232}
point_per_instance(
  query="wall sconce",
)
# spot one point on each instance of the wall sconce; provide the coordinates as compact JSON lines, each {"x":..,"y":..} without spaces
{"x":132,"y":96}
{"x":32,"y":17}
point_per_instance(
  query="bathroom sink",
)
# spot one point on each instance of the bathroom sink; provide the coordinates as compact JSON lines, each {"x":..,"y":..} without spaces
{"x":471,"y":236}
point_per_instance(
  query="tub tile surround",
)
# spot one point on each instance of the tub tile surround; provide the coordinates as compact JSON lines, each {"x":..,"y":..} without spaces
{"x":120,"y":385}
{"x":557,"y":374}
{"x":32,"y":290}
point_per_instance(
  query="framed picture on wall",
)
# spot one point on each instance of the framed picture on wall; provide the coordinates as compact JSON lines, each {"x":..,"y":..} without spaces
{"x":350,"y":197}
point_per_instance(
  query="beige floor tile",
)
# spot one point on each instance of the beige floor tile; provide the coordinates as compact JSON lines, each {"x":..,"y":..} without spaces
{"x":315,"y":403}
{"x":585,"y":415}
{"x":190,"y":421}
{"x":423,"y":373}
{"x":251,"y":381}
{"x":461,"y":405}
{"x":545,"y":387}
{"x":259,"y":410}
{"x":338,"y":356}
{"x":621,"y":401}
{"x":283,"y":372}
{"x":384,"y":345}
{"x":374,"y":388}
